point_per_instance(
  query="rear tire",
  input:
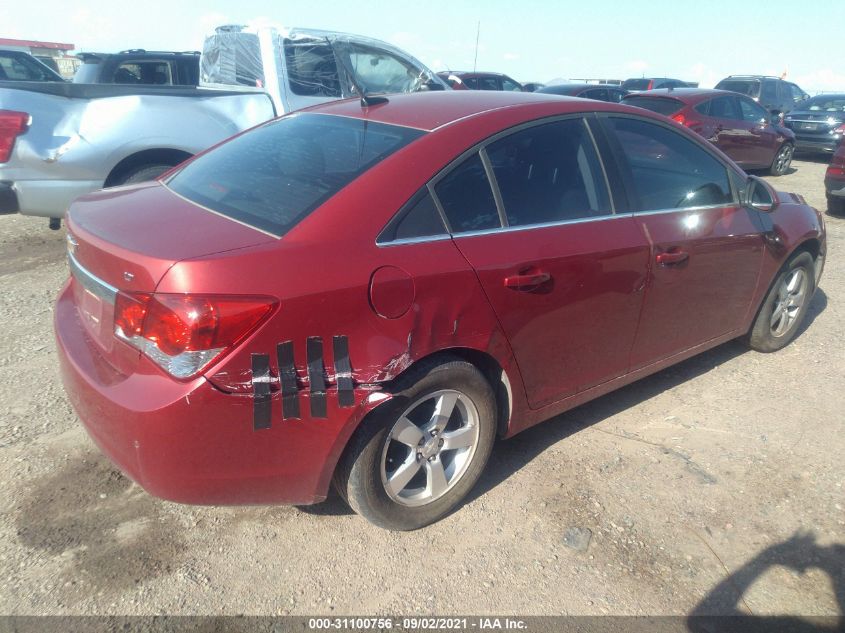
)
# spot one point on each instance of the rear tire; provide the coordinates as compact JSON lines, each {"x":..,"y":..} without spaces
{"x":782,"y":160}
{"x":785,"y":306}
{"x":415,"y":458}
{"x":836,"y":205}
{"x":143,"y":174}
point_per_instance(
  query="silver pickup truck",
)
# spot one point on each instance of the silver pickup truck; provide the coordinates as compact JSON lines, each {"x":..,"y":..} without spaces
{"x":64,"y":140}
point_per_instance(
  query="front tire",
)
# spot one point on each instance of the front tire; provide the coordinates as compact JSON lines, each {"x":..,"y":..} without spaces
{"x":415,"y":458}
{"x":785,"y":306}
{"x":782,"y":160}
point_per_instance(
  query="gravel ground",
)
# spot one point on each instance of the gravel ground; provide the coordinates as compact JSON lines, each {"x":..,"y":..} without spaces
{"x":713,"y":486}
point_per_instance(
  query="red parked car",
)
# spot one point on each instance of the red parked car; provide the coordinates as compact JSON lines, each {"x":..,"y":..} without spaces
{"x":370,"y":295}
{"x":736,"y":124}
{"x":834,"y":181}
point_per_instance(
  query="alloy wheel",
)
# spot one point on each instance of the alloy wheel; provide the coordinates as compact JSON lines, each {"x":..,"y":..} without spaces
{"x":430,"y":447}
{"x":789,"y":302}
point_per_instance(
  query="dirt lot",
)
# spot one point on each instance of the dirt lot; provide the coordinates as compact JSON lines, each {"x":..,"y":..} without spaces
{"x":715,"y":486}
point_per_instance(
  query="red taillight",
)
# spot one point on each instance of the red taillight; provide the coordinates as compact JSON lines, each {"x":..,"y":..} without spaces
{"x":12,"y":125}
{"x":840,"y":129}
{"x":680,"y":118}
{"x":184,"y":333}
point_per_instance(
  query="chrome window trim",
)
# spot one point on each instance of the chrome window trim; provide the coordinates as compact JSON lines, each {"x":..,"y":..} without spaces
{"x":93,"y":284}
{"x":415,"y":240}
{"x":705,"y":207}
{"x":544,"y":225}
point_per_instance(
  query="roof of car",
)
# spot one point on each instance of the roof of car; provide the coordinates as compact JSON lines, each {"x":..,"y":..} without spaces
{"x":431,"y":110}
{"x":576,"y":87}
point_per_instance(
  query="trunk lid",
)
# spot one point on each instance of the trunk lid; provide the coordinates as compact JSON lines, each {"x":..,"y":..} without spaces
{"x":126,"y":239}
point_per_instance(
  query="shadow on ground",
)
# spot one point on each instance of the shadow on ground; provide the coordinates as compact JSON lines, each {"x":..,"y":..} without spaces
{"x":799,"y":553}
{"x":115,"y":534}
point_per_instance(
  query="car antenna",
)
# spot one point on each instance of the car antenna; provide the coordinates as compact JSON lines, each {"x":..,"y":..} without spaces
{"x":366,"y":100}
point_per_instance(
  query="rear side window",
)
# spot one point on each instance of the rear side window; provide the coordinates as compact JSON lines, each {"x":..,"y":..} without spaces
{"x":769,"y":92}
{"x":274,"y":176}
{"x":662,"y":106}
{"x":152,"y":73}
{"x":467,"y":198}
{"x":312,"y":68}
{"x":549,"y":173}
{"x":669,"y":171}
{"x":419,"y":218}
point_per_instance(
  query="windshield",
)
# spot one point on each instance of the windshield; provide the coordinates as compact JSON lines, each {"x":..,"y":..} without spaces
{"x":662,"y":106}
{"x":276,"y":175}
{"x":825,"y":103}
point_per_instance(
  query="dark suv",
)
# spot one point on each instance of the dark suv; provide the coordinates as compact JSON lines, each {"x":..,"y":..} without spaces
{"x":138,"y":66}
{"x":774,"y":94}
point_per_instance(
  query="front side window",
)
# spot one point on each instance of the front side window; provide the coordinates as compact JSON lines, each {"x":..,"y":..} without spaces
{"x":510,"y":85}
{"x":467,"y":198}
{"x":381,"y":72}
{"x":549,"y":173}
{"x":752,"y":112}
{"x":669,"y":171}
{"x":725,"y":108}
{"x":277,"y":174}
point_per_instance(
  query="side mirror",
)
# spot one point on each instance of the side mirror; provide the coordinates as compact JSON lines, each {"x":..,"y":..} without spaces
{"x":774,"y":119}
{"x":760,"y":195}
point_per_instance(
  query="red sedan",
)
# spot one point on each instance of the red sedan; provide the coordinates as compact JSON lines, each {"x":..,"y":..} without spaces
{"x":735,"y":123}
{"x":369,"y":295}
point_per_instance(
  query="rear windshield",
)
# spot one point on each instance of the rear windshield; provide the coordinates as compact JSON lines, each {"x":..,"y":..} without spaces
{"x":825,"y":103}
{"x":636,"y":84}
{"x":660,"y":105}
{"x":274,"y":176}
{"x":745,"y":87}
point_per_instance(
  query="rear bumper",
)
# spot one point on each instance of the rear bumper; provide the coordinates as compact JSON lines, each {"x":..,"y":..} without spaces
{"x":834,"y":187}
{"x":51,"y":198}
{"x":192,"y":443}
{"x":8,"y":198}
{"x":808,"y":145}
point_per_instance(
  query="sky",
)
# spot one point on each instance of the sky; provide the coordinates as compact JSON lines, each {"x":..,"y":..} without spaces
{"x":529,"y":40}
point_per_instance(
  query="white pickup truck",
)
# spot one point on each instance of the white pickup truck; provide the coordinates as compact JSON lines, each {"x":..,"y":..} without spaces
{"x":59,"y":141}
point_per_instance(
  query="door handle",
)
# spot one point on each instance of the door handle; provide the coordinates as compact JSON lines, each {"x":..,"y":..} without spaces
{"x":675,"y":257}
{"x":526,"y":282}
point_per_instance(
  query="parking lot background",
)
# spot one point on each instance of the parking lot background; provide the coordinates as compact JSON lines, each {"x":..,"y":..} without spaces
{"x":713,"y":486}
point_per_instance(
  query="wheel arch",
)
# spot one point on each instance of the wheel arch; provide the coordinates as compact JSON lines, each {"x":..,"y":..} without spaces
{"x":168,"y":156}
{"x":488,"y":365}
